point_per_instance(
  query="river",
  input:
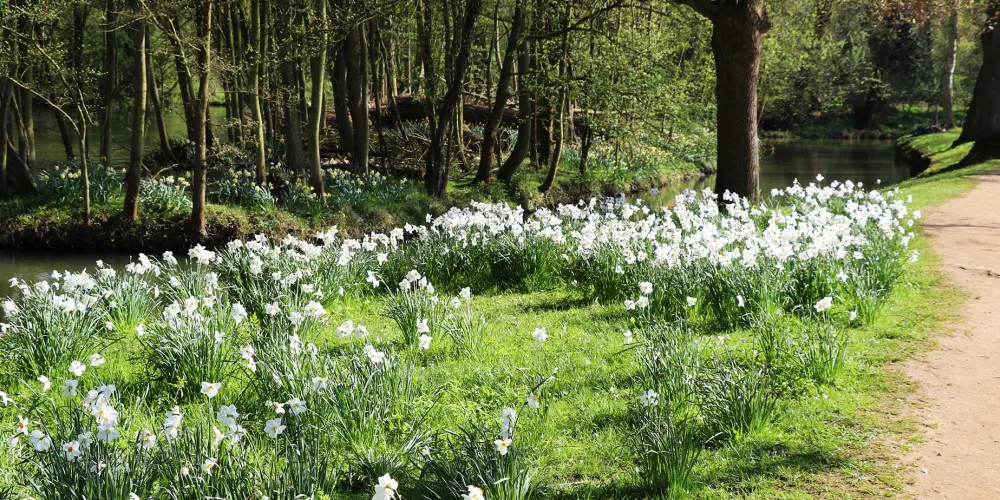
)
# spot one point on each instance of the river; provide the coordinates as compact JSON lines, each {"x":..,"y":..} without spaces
{"x":859,"y":161}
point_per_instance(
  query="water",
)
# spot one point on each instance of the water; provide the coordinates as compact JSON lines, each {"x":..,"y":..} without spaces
{"x":49,"y":148}
{"x":859,"y":161}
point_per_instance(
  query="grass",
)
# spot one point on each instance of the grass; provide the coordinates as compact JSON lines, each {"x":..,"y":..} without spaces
{"x":843,"y":437}
{"x":941,"y":181}
{"x":829,"y":438}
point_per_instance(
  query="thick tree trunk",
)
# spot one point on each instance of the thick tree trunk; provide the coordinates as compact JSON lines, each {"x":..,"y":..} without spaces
{"x":982,"y":124}
{"x":341,"y":109}
{"x":19,"y":178}
{"x":737,"y":42}
{"x":133,"y":176}
{"x":487,"y":153}
{"x":525,"y":127}
{"x":355,"y":56}
{"x":948,"y":71}
{"x":110,"y":80}
{"x":199,"y":229}
{"x":317,"y":66}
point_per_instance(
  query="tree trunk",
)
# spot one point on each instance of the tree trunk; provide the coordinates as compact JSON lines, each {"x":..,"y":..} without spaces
{"x":256,"y":65}
{"x":5,"y":90}
{"x":317,"y":66}
{"x":356,"y":64}
{"x":64,"y":134}
{"x":110,"y":80}
{"x":982,"y":124}
{"x":737,"y":41}
{"x":487,"y":153}
{"x":587,"y":140}
{"x":341,"y":109}
{"x":294,"y":149}
{"x":948,"y":72}
{"x":438,"y":164}
{"x":154,"y":98}
{"x":525,"y":127}
{"x":26,"y":101}
{"x":199,"y":228}
{"x":557,"y":149}
{"x":133,"y":176}
{"x":84,"y":167}
{"x":561,"y":137}
{"x":186,"y":90}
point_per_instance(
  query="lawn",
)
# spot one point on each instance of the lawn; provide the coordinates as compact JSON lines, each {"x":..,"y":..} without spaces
{"x":708,"y":381}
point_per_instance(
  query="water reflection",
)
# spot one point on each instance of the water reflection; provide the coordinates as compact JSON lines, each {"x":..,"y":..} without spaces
{"x":858,"y":161}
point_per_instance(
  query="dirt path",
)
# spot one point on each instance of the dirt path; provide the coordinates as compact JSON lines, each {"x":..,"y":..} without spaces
{"x":960,"y":382}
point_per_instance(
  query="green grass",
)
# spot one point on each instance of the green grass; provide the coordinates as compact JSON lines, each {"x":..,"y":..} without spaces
{"x":941,"y":181}
{"x":831,"y":438}
{"x":842,"y":439}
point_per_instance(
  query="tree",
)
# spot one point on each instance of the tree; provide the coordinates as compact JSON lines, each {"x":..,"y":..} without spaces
{"x":133,"y":176}
{"x":110,"y":81}
{"x":295,"y":152}
{"x":738,"y":29}
{"x":982,"y":124}
{"x":948,"y":69}
{"x":66,"y":90}
{"x":203,"y":20}
{"x":317,"y":65}
{"x":438,"y":156}
{"x":514,"y":40}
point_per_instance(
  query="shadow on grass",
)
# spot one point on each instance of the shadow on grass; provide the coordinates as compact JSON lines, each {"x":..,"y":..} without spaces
{"x":753,"y":462}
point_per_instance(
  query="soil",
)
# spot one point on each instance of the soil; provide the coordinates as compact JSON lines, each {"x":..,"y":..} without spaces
{"x":959,"y":397}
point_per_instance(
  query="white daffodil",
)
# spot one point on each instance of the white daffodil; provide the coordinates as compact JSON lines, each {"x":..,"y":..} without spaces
{"x":208,"y":465}
{"x":422,"y":326}
{"x":824,"y":304}
{"x":69,"y":387}
{"x":273,"y":428}
{"x":473,"y":494}
{"x":147,"y":440}
{"x":533,"y":401}
{"x":296,"y":406}
{"x":540,"y":334}
{"x":502,"y":446}
{"x":39,"y":441}
{"x":210,"y":389}
{"x":649,"y":398}
{"x":386,"y":488}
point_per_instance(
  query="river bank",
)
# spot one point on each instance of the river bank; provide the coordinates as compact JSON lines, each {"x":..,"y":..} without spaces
{"x":37,"y":225}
